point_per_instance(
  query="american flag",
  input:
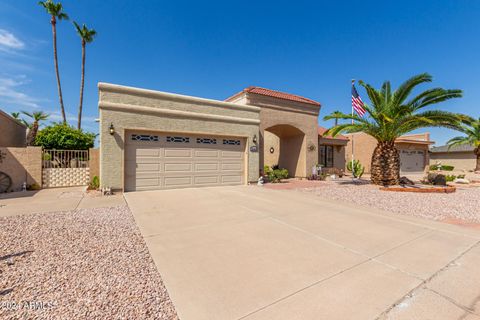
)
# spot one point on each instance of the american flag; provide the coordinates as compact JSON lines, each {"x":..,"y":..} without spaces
{"x":357,"y":103}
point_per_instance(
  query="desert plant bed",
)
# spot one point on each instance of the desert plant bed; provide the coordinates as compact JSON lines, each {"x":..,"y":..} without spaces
{"x":420,"y":189}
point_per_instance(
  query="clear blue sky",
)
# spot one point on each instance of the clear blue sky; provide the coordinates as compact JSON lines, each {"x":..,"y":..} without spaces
{"x":214,"y":49}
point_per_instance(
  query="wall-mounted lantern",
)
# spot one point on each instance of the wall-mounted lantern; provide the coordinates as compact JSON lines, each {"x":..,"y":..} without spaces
{"x":111,"y":129}
{"x":254,"y":139}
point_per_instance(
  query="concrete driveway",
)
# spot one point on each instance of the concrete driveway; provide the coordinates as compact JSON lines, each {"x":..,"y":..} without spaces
{"x":253,"y":253}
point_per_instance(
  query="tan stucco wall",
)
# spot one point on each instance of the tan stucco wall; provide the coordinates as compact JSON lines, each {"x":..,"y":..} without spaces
{"x":275,"y":112}
{"x":22,"y":165}
{"x":132,"y":108}
{"x":94,"y":163}
{"x":12,"y":133}
{"x":365,"y":144}
{"x":460,"y":160}
{"x":271,"y":140}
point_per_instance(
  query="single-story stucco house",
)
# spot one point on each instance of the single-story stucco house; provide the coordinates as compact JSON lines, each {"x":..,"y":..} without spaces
{"x":413,"y":149}
{"x":461,"y":157}
{"x":158,"y":140}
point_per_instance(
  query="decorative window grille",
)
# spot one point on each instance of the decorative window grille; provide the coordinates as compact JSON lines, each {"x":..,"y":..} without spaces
{"x":144,"y":137}
{"x":206,"y":141}
{"x":231,"y":142}
{"x":178,"y":139}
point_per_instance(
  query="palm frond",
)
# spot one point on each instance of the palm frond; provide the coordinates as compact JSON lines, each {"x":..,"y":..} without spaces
{"x":402,"y":93}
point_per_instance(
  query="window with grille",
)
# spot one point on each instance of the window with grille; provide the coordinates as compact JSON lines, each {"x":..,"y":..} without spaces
{"x":144,"y":137}
{"x":206,"y":141}
{"x":178,"y":139}
{"x":231,"y":142}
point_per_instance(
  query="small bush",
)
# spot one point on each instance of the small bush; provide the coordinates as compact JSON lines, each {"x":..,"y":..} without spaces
{"x":440,"y":167}
{"x":450,"y":177}
{"x":275,"y":175}
{"x":94,"y":184}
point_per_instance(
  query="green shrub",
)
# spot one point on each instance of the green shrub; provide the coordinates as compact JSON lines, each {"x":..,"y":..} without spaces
{"x":357,"y":170}
{"x":94,"y":184}
{"x":275,"y":175}
{"x":443,"y":168}
{"x":450,"y":177}
{"x":64,"y":137}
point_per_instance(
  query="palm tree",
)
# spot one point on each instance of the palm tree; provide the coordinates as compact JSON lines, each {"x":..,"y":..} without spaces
{"x":16,"y":115}
{"x":36,"y":116}
{"x":86,"y":35}
{"x":471,"y":128}
{"x":55,"y":10}
{"x":393,"y":114}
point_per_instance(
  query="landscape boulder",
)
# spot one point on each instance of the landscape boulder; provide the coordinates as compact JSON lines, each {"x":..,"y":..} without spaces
{"x":437,"y":179}
{"x":461,"y":181}
{"x":404,"y":181}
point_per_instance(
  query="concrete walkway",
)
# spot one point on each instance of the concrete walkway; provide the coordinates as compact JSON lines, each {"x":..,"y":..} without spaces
{"x":55,"y":199}
{"x":253,"y":253}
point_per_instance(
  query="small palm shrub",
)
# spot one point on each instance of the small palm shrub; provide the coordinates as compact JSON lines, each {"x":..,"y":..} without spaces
{"x":356,"y":169}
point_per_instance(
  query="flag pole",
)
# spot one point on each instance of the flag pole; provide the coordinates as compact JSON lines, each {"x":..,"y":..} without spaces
{"x":353,"y":157}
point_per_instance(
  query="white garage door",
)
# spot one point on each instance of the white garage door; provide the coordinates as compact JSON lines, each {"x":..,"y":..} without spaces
{"x":167,"y":161}
{"x":412,"y":160}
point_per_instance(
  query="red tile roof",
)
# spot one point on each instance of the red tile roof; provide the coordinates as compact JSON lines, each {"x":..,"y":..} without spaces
{"x":321,"y":131}
{"x":275,"y":94}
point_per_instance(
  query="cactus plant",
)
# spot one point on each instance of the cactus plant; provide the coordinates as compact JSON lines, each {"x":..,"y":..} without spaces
{"x":357,"y":169}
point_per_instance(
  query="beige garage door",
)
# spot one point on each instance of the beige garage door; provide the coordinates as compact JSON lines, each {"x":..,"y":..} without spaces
{"x":412,"y":160}
{"x":167,"y":161}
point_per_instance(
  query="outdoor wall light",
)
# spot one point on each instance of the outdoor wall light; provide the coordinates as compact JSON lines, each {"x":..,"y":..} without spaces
{"x":272,"y":150}
{"x":111,"y":129}
{"x":254,"y":138}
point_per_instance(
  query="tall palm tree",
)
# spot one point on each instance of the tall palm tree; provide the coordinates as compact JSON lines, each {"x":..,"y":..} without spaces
{"x":393,"y":114}
{"x":471,"y":129}
{"x":36,"y":116}
{"x":86,"y":35}
{"x":55,"y":10}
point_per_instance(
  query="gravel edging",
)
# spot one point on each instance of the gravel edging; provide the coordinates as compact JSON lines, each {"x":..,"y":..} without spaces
{"x":462,"y":205}
{"x":85,"y":263}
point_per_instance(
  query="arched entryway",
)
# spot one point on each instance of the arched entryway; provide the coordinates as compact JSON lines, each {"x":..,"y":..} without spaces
{"x":284,"y":145}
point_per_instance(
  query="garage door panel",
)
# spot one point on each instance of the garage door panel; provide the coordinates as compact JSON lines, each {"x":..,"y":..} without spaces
{"x":178,"y":181}
{"x":148,"y":167}
{"x":206,"y":166}
{"x":204,"y":180}
{"x":181,"y":160}
{"x":232,"y":154}
{"x":228,"y":179}
{"x":236,"y":166}
{"x":148,"y":182}
{"x":177,"y":167}
{"x":178,"y":153}
{"x":207,"y":153}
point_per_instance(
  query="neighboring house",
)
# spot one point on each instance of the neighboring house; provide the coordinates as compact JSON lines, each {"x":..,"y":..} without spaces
{"x":413,"y":151}
{"x":157,"y":140}
{"x":13,"y":133}
{"x":461,"y":157}
{"x":331,"y":151}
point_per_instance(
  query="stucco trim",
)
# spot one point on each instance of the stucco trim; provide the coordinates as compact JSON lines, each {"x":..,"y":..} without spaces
{"x":108,"y":87}
{"x":176,"y":113}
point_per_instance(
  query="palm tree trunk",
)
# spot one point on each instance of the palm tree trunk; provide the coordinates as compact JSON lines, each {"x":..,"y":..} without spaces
{"x":81,"y":87}
{"x":477,"y":153}
{"x":385,"y":167}
{"x":55,"y":59}
{"x":32,"y":134}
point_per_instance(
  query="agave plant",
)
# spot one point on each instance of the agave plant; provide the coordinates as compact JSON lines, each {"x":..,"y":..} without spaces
{"x":392,"y":114}
{"x":470,"y":127}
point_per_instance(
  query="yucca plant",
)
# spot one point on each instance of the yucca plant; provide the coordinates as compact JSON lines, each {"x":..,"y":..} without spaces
{"x":470,"y":127}
{"x":36,"y":116}
{"x":392,"y":114}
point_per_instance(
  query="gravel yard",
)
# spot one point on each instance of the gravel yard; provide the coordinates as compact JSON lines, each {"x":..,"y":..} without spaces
{"x":80,"y":264}
{"x":462,"y":205}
